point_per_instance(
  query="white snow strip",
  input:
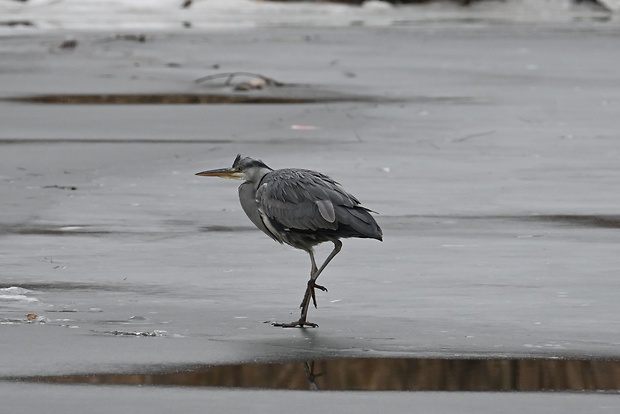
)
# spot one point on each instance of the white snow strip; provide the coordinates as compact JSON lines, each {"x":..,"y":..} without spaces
{"x":15,"y":290}
{"x":160,"y":14}
{"x":17,"y":298}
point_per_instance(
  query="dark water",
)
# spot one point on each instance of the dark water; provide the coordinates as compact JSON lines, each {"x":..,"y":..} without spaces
{"x":305,"y":96}
{"x":167,"y":99}
{"x":381,"y":375}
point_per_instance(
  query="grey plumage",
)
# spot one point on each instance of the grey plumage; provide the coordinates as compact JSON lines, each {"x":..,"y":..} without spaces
{"x":301,"y":208}
{"x":309,"y":208}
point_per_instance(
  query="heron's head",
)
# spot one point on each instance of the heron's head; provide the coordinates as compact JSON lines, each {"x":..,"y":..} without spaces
{"x":244,"y":168}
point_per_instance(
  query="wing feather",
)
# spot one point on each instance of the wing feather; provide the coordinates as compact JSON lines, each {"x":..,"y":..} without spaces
{"x":326,"y":209}
{"x":303,"y":199}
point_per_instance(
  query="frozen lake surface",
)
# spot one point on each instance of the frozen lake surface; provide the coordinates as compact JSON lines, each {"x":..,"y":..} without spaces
{"x":235,"y":14}
{"x":490,"y":151}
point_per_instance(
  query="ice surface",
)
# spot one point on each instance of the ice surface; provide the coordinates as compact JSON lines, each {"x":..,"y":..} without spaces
{"x":235,"y":14}
{"x":164,"y":399}
{"x":494,"y":167}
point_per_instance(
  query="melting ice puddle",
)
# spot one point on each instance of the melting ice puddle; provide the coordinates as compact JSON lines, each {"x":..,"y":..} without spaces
{"x":303,"y":96}
{"x":376,"y":374}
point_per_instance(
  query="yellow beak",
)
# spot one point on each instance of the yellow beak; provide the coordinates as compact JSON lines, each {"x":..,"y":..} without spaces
{"x":221,"y":172}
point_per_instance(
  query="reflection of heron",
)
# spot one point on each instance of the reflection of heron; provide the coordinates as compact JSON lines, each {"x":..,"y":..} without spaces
{"x":301,"y":208}
{"x":311,"y":376}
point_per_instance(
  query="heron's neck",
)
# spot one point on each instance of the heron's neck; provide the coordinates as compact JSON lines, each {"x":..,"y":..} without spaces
{"x":256,"y":176}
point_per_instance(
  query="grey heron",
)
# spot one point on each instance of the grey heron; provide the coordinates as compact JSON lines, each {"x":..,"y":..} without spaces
{"x":301,"y":208}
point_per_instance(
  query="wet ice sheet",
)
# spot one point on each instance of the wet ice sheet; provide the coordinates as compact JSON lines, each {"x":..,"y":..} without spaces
{"x":155,"y":283}
{"x":55,"y":399}
{"x":495,"y":181}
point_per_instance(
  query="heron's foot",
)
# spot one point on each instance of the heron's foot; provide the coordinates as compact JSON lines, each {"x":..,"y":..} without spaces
{"x":301,"y":323}
{"x":310,"y":293}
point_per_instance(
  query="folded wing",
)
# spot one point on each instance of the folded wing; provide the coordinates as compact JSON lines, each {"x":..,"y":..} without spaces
{"x":308,"y":201}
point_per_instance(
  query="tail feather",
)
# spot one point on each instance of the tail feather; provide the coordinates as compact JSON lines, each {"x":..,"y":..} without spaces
{"x":360,"y":221}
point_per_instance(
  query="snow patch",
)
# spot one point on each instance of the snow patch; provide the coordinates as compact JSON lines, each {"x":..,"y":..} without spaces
{"x":17,"y":298}
{"x":15,"y":290}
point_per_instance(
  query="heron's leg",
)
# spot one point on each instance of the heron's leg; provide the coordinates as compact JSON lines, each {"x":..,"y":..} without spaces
{"x":305,"y":304}
{"x":337,"y":248}
{"x":312,"y":282}
{"x":295,"y":324}
{"x":309,"y":293}
{"x":314,"y":268}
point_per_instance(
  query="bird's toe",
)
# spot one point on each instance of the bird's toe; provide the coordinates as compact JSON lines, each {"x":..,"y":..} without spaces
{"x":295,"y":324}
